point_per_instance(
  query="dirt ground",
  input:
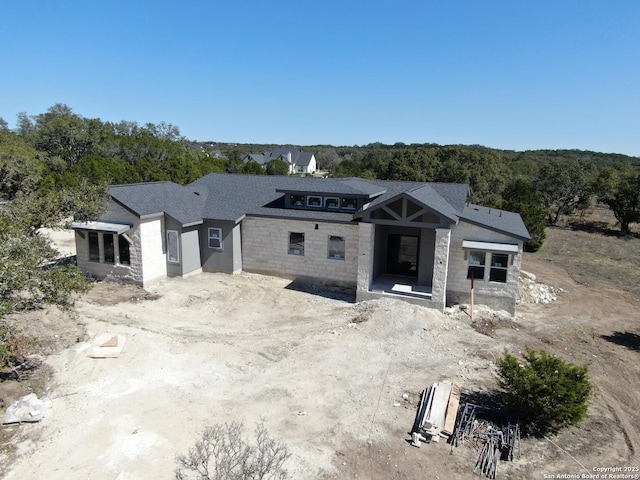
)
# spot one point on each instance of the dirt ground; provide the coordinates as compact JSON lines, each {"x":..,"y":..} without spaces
{"x":338,"y":382}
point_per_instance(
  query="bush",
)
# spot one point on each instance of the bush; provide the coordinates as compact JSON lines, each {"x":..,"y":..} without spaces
{"x":222,"y":454}
{"x":546,"y":392}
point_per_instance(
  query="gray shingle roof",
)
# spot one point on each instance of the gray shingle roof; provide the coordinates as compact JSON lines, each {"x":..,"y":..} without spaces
{"x":220,"y":196}
{"x":498,"y":220}
{"x":185,"y":204}
{"x":298,"y":157}
{"x":304,"y":159}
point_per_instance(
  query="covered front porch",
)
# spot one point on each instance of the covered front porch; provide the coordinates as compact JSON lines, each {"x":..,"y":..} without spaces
{"x":404,"y":250}
{"x":401,"y":286}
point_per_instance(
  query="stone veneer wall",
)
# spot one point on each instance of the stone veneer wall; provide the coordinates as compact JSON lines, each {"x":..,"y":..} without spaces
{"x":265,"y":246}
{"x":440,"y":267}
{"x":496,"y":295}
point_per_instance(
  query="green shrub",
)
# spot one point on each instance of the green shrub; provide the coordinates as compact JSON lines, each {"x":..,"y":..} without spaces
{"x":545,"y":392}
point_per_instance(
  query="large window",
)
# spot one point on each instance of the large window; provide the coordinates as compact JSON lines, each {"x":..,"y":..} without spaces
{"x":477,"y":261}
{"x":124,"y":250}
{"x":296,"y":243}
{"x":94,"y":247}
{"x":173,"y":252}
{"x":215,"y":238}
{"x":499,"y":265}
{"x":109,"y":248}
{"x":336,"y":247}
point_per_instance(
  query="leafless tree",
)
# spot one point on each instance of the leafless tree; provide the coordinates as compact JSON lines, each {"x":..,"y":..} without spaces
{"x":221,"y":453}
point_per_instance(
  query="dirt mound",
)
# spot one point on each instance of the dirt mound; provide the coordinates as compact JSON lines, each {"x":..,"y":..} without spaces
{"x":530,"y":291}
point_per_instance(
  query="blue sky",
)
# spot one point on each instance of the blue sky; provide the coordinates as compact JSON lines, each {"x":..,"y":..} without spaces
{"x":510,"y":74}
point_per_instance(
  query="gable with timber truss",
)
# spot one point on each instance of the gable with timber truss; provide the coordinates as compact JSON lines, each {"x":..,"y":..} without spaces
{"x":405,"y":210}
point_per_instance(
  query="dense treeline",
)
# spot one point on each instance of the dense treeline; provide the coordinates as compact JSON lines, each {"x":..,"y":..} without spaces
{"x":60,"y":150}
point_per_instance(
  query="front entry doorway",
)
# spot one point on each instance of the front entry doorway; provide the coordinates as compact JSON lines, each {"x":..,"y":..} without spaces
{"x":402,"y":256}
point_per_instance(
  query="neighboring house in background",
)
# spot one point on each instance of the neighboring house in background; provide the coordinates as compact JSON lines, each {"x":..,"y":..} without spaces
{"x":417,"y":241}
{"x":299,"y":162}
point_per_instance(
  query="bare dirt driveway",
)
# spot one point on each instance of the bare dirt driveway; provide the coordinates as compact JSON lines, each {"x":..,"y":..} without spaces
{"x":338,"y":382}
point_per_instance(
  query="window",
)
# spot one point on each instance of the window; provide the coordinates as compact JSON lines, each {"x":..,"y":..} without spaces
{"x":349,"y":203}
{"x":476,"y":265}
{"x":314,"y":201}
{"x":123,"y":247}
{"x":332,"y":202}
{"x":499,"y":265}
{"x":300,"y":168}
{"x":173,"y":253}
{"x":297,"y":200}
{"x":336,"y":247}
{"x":109,"y":249}
{"x":215,"y":238}
{"x":296,"y":243}
{"x":94,"y":248}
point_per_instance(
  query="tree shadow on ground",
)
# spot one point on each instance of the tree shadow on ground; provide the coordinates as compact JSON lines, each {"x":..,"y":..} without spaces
{"x":602,"y":228}
{"x":625,"y":339}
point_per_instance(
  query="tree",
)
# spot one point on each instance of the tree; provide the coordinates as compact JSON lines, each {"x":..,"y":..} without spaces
{"x":520,"y":196}
{"x":253,"y":168}
{"x":563,"y":186}
{"x":222,"y":454}
{"x":347,"y":168}
{"x":277,"y":167}
{"x":328,"y":159}
{"x":21,"y":167}
{"x":619,"y":188}
{"x":545,"y":392}
{"x":29,"y":274}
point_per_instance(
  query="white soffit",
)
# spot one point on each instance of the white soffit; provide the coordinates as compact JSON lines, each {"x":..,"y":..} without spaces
{"x":490,"y":246}
{"x":102,"y":226}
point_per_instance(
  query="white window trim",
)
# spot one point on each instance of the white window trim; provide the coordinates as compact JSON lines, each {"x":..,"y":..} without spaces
{"x":177,"y":235}
{"x":219,"y":238}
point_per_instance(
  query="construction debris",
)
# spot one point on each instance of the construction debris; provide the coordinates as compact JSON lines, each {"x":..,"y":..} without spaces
{"x":494,"y":442}
{"x":106,"y":345}
{"x":27,"y":409}
{"x":479,"y":426}
{"x":436,"y":413}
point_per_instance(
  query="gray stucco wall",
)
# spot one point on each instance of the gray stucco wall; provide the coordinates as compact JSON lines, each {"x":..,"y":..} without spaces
{"x":229,"y":258}
{"x":189,"y":247}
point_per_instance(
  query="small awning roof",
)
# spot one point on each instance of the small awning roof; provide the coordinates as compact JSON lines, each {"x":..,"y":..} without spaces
{"x":101,"y":226}
{"x":490,"y":246}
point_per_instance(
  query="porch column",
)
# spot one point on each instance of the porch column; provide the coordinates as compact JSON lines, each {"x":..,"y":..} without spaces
{"x":440,"y":268}
{"x":366,"y":237}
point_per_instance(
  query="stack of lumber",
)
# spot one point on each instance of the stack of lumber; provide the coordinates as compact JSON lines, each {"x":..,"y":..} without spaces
{"x":437,"y":412}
